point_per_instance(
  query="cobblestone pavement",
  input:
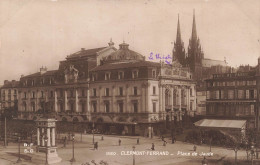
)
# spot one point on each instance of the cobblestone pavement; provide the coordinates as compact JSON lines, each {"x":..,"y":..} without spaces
{"x":110,"y":151}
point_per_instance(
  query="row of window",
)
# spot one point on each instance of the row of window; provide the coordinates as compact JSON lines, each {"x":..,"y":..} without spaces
{"x":231,"y":110}
{"x":42,"y":82}
{"x":120,"y":75}
{"x":231,"y":83}
{"x":232,"y":94}
{"x":94,"y":107}
{"x":120,"y":107}
{"x":70,"y":93}
{"x":9,"y":92}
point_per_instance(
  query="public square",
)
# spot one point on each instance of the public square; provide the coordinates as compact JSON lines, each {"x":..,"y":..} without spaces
{"x":84,"y":152}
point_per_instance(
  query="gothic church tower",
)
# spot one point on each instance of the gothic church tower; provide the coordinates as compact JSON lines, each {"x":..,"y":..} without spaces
{"x":178,"y":51}
{"x":195,"y":53}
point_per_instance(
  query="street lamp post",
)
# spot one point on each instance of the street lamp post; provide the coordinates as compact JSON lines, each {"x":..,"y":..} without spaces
{"x":46,"y":140}
{"x":5,"y":132}
{"x":235,"y":149}
{"x":133,"y":155}
{"x":93,"y":132}
{"x":19,"y":159}
{"x":73,"y":159}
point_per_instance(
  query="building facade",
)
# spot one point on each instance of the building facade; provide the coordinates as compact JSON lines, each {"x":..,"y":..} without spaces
{"x":234,"y":96}
{"x":115,"y":89}
{"x":9,"y":95}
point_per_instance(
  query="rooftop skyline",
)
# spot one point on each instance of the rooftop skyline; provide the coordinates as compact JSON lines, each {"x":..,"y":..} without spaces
{"x":42,"y":33}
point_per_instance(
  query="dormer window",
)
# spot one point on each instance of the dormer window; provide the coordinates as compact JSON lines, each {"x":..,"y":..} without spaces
{"x":94,"y":77}
{"x":154,"y":73}
{"x":120,"y":75}
{"x":107,"y":76}
{"x":42,"y":81}
{"x":135,"y":74}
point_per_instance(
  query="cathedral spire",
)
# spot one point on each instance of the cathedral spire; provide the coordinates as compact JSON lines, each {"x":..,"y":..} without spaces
{"x":178,"y":36}
{"x":194,"y":31}
{"x":178,"y":52}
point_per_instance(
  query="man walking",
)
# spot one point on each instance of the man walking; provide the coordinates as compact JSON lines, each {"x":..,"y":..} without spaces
{"x":152,"y":146}
{"x":119,"y":142}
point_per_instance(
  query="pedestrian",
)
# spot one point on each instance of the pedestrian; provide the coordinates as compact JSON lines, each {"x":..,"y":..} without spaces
{"x":164,"y":143}
{"x":137,"y":141}
{"x":96,"y":145}
{"x":152,"y":146}
{"x":119,"y":142}
{"x":64,"y":142}
{"x":162,"y":138}
{"x":194,"y":148}
{"x":102,"y":138}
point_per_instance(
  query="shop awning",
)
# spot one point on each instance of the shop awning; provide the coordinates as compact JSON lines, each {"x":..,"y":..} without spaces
{"x":214,"y":123}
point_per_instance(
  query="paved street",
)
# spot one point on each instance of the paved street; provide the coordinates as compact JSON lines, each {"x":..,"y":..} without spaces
{"x":84,"y":152}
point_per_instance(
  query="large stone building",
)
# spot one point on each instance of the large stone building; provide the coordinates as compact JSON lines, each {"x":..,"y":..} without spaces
{"x":9,"y":95}
{"x":116,"y":89}
{"x":234,"y":96}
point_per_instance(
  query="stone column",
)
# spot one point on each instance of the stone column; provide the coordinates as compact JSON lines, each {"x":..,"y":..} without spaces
{"x":37,"y":101}
{"x":53,"y":136}
{"x":65,"y":100}
{"x":126,"y":98}
{"x":42,"y":137}
{"x":112,"y":109}
{"x":55,"y":101}
{"x":46,"y":96}
{"x":49,"y":137}
{"x":160,"y":98}
{"x":163,"y":98}
{"x":187,"y":98}
{"x":172,"y":98}
{"x":179,"y":91}
{"x":38,"y":136}
{"x":76,"y":101}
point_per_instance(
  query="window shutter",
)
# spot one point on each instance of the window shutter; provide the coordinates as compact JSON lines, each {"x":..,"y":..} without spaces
{"x":255,"y":93}
{"x":247,"y":94}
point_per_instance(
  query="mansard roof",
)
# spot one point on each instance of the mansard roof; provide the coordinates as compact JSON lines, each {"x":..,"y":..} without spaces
{"x":123,"y":54}
{"x":83,"y":52}
{"x":122,"y":65}
{"x":38,"y":74}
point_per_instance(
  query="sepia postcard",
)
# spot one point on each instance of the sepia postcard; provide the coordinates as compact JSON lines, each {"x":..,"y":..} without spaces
{"x":120,"y":82}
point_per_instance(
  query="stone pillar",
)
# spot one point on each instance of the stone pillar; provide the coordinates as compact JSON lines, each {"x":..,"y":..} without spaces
{"x":126,"y":98}
{"x":65,"y":100}
{"x":55,"y":101}
{"x":163,"y":98}
{"x":172,"y":98}
{"x":38,"y":136}
{"x":112,"y":109}
{"x":179,"y":91}
{"x":37,"y":101}
{"x":76,"y":101}
{"x":49,"y":137}
{"x":160,"y":98}
{"x":53,"y":136}
{"x":46,"y":96}
{"x":42,"y":137}
{"x":188,"y":98}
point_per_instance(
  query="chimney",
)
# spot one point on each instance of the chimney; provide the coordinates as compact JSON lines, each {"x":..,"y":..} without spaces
{"x":6,"y":82}
{"x":82,"y":49}
{"x":43,"y":70}
{"x":111,"y":43}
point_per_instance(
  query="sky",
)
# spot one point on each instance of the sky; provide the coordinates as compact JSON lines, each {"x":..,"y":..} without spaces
{"x":35,"y":33}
